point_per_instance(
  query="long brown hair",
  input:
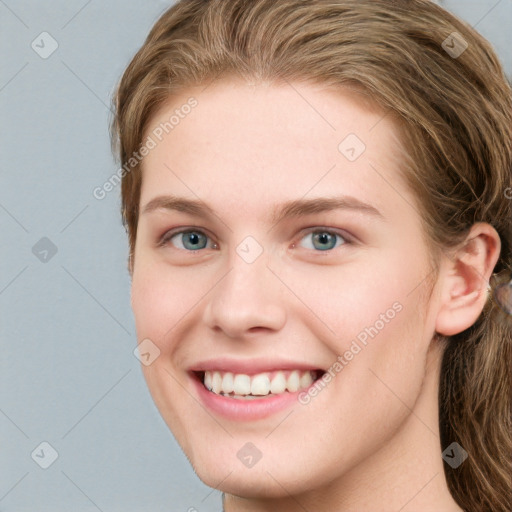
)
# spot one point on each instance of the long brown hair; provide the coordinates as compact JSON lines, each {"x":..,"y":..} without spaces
{"x":445,"y":86}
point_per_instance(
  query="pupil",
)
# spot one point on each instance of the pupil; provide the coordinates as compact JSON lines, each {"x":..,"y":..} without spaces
{"x":194,"y":240}
{"x":323,"y":238}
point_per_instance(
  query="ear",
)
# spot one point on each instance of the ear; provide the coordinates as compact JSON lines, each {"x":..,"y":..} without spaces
{"x":464,"y":280}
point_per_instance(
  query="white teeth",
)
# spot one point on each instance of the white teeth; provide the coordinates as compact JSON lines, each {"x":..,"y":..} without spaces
{"x":208,"y":380}
{"x":216,"y":382}
{"x":227,"y":383}
{"x":243,"y":386}
{"x":260,"y":384}
{"x":306,"y":380}
{"x":278,"y":384}
{"x":293,"y":381}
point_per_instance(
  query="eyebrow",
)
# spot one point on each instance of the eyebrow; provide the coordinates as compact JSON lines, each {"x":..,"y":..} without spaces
{"x":288,"y":209}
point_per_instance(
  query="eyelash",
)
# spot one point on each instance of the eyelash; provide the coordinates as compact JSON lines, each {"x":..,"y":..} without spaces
{"x":347,"y":240}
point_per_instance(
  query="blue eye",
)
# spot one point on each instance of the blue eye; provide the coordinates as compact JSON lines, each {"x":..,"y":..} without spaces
{"x":190,"y":240}
{"x":324,"y":240}
{"x":195,"y":240}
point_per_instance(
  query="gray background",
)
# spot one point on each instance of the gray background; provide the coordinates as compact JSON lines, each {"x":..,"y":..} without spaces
{"x":68,"y":375}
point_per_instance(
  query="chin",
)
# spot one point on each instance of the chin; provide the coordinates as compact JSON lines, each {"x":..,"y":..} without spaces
{"x":272,"y":477}
{"x":249,"y":483}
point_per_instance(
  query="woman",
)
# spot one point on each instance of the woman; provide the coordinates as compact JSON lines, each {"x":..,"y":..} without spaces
{"x":315,"y":198}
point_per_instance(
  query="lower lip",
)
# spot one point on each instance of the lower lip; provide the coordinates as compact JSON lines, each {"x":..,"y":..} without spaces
{"x":245,"y":410}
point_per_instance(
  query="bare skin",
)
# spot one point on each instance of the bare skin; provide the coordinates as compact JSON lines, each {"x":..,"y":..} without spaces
{"x":369,"y":440}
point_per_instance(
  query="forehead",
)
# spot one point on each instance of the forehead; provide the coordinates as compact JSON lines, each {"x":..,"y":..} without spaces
{"x":242,"y":143}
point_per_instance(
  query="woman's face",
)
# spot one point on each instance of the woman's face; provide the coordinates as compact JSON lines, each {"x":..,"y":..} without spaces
{"x":283,"y":244}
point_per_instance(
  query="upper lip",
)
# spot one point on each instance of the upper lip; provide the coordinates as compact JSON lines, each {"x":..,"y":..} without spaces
{"x":250,"y":366}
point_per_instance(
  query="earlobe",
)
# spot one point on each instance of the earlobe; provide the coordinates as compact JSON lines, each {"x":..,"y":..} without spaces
{"x":464,"y":280}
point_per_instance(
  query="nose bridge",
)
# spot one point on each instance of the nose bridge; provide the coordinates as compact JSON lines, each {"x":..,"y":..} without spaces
{"x":248,"y":297}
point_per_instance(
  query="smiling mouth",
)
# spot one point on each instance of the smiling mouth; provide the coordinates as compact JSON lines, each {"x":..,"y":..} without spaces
{"x":259,"y":386}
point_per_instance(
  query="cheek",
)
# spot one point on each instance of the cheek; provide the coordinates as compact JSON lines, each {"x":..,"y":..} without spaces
{"x":384,"y":355}
{"x":162,"y":298}
{"x":373,"y":317}
{"x":347,"y":299}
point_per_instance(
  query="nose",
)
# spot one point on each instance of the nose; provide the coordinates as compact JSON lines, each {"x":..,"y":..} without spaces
{"x":248,"y":299}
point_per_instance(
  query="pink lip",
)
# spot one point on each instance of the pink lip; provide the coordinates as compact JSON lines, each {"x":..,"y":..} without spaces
{"x":244,"y":410}
{"x":249,"y":366}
